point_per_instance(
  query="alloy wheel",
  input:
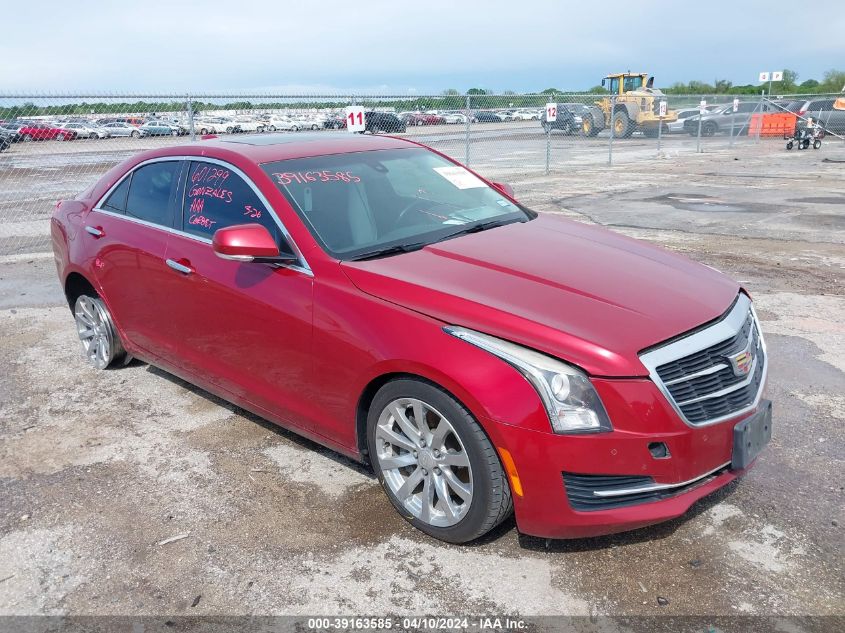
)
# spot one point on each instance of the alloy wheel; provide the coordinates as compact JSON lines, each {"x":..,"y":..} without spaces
{"x":424,"y":462}
{"x":94,"y":327}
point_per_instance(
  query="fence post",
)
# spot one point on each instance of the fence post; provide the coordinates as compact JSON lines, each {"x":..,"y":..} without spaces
{"x":760,"y":127}
{"x":190,"y":108}
{"x":701,"y":112}
{"x":466,"y":142}
{"x":610,"y":145}
{"x":660,"y":129}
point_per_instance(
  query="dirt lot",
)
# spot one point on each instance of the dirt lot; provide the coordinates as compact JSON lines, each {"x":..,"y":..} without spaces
{"x":98,"y":471}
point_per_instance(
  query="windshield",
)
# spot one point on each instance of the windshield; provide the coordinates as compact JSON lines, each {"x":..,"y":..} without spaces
{"x":361,"y":203}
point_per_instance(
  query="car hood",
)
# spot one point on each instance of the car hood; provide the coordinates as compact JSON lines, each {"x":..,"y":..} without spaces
{"x":578,"y":292}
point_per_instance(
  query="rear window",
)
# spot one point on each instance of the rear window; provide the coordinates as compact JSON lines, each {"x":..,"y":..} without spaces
{"x":152,"y":191}
{"x":117,"y":199}
{"x":821,"y":106}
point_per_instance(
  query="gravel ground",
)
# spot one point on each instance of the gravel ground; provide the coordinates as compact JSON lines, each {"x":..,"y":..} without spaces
{"x":130,"y":492}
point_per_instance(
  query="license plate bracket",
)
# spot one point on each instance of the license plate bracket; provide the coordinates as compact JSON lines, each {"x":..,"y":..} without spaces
{"x":751,"y":435}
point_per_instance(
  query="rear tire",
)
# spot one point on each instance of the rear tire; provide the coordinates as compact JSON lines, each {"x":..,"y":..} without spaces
{"x":817,"y":144}
{"x":446,"y":450}
{"x":101,"y":344}
{"x":790,"y":145}
{"x":708,"y":129}
{"x":136,"y":134}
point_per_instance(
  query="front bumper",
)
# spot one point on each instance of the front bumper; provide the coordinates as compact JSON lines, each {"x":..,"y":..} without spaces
{"x":697,"y":462}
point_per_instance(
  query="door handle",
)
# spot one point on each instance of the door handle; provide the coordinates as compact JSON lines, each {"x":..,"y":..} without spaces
{"x":96,"y":231}
{"x":178,"y":266}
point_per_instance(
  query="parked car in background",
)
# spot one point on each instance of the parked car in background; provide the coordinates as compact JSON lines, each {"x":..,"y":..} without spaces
{"x":159,"y":128}
{"x":119,"y":128}
{"x":215,"y":125}
{"x":87,"y":130}
{"x":486,"y":116}
{"x":725,"y":120}
{"x":676,"y":127}
{"x":526,"y":115}
{"x":130,"y":120}
{"x":12,"y":129}
{"x":385,"y":301}
{"x":575,"y":118}
{"x":825,"y":113}
{"x":44,"y":132}
{"x":454,"y":117}
{"x":421,"y":118}
{"x":383,"y":122}
{"x":309,"y":121}
{"x":5,"y":139}
{"x":283,"y":124}
{"x":248,"y":124}
{"x":335,"y":123}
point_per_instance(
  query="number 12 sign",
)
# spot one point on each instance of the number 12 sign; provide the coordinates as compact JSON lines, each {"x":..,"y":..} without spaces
{"x":551,"y":112}
{"x":355,"y":119}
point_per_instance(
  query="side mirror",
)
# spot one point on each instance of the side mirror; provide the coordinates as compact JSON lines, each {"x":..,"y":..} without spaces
{"x":248,"y":243}
{"x":602,"y":82}
{"x":504,"y":187}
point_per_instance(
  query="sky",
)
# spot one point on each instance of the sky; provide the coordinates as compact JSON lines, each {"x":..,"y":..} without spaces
{"x":418,"y":47}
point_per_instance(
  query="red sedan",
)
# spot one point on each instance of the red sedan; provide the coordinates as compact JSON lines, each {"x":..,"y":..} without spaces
{"x":376,"y":296}
{"x":44,"y":132}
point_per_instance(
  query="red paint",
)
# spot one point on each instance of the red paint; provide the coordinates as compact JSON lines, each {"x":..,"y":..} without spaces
{"x":299,"y":349}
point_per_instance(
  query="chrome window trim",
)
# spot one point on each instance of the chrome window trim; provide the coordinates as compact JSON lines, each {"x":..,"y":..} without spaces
{"x":654,"y":487}
{"x":304,"y":268}
{"x":720,"y":331}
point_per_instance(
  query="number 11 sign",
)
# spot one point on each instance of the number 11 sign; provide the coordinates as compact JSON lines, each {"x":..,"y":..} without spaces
{"x":355,"y":119}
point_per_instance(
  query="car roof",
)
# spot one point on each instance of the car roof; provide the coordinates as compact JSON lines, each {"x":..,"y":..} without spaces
{"x":265,"y":148}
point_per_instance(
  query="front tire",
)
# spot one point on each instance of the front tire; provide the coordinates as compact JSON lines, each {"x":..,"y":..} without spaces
{"x":101,"y":344}
{"x":622,"y":126}
{"x":435,"y":462}
{"x":136,"y":134}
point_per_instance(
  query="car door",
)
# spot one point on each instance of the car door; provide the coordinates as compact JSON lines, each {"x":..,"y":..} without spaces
{"x":131,"y":225}
{"x":244,"y":326}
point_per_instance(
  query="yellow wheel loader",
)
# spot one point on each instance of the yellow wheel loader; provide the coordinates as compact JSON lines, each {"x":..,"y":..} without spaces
{"x":637,"y":105}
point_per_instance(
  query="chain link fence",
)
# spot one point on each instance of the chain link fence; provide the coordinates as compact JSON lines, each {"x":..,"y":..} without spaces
{"x":54,"y":146}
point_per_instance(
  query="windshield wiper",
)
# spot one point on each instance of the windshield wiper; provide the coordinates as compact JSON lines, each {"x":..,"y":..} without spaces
{"x":388,"y":250}
{"x":480,"y":226}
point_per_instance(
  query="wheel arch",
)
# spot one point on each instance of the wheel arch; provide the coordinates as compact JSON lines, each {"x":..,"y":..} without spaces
{"x":433,"y":378}
{"x":75,"y":285}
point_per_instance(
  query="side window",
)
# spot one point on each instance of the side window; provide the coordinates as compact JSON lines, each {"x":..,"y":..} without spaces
{"x":216,"y":197}
{"x":117,"y":199}
{"x":152,"y":192}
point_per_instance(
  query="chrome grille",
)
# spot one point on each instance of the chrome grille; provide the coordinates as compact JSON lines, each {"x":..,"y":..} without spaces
{"x":701,"y":373}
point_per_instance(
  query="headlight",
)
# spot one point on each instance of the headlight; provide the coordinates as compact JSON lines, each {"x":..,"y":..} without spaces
{"x":571,"y":402}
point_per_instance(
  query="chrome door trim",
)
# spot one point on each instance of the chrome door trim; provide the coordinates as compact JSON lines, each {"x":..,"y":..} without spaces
{"x":303,"y":267}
